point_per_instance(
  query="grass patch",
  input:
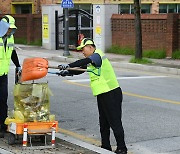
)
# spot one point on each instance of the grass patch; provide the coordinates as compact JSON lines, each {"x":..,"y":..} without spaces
{"x":140,"y":61}
{"x":156,"y":54}
{"x":37,"y":43}
{"x":120,"y":50}
{"x":20,"y":41}
{"x":24,"y":41}
{"x":176,"y":54}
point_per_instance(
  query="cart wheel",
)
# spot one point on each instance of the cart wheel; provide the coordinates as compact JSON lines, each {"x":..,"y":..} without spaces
{"x":11,"y":139}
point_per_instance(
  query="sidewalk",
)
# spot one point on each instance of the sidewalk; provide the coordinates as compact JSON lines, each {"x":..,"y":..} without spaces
{"x":167,"y":66}
{"x":68,"y":144}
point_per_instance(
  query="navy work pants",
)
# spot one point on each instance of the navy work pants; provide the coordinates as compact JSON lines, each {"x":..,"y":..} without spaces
{"x":109,"y":106}
{"x":3,"y":99}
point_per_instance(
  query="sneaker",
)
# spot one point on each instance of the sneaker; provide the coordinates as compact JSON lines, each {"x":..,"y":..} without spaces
{"x":119,"y":151}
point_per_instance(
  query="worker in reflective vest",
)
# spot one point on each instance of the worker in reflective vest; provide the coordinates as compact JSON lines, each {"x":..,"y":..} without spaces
{"x":105,"y":86}
{"x":7,"y":53}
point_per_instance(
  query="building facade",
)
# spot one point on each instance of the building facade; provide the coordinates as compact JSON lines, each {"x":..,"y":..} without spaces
{"x":124,"y":6}
{"x":105,"y":28}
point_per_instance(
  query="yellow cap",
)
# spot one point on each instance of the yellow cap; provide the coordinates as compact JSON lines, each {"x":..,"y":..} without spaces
{"x":9,"y":19}
{"x":84,"y":42}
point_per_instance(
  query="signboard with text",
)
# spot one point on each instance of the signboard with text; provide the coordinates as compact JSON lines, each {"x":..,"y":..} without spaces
{"x":67,"y":4}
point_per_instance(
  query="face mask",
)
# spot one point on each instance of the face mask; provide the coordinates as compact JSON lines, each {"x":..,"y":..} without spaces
{"x":12,"y":32}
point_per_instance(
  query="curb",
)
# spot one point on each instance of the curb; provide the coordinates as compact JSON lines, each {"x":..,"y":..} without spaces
{"x":157,"y":69}
{"x":83,"y":144}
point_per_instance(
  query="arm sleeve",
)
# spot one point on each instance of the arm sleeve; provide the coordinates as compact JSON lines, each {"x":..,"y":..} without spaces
{"x":96,"y":60}
{"x":80,"y":62}
{"x":15,"y":59}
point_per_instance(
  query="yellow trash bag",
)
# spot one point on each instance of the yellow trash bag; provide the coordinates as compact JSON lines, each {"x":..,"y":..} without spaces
{"x":18,"y":116}
{"x":51,"y":117}
{"x":10,"y":120}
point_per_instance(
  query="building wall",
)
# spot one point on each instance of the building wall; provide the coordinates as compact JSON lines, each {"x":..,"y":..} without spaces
{"x":5,"y":5}
{"x":29,"y":27}
{"x":159,"y":31}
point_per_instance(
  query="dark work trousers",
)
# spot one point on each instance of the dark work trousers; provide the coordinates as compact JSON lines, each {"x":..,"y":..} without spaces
{"x":109,"y":106}
{"x":3,"y":99}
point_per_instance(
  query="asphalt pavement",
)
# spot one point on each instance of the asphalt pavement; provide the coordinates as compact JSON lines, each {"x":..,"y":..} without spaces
{"x":66,"y":143}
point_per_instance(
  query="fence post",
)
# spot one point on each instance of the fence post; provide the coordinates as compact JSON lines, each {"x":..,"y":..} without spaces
{"x":172,"y":34}
{"x":29,"y":28}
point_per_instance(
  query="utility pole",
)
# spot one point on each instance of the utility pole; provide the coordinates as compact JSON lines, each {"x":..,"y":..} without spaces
{"x":138,"y":29}
{"x":66,"y":4}
{"x":66,"y":20}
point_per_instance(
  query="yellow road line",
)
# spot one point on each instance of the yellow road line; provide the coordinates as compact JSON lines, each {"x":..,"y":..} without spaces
{"x":81,"y":137}
{"x":131,"y":94}
{"x":152,"y":98}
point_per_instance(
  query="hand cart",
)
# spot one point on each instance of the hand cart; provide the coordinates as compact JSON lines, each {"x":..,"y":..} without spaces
{"x":32,"y":129}
{"x":29,"y":129}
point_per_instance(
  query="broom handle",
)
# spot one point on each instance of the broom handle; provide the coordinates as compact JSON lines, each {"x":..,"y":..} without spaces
{"x":70,"y":69}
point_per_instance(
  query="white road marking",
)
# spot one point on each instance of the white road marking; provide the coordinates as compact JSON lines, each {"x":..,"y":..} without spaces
{"x":123,"y":78}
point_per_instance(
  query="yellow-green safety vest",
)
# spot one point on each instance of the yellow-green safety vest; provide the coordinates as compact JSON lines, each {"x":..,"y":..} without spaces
{"x":107,"y":80}
{"x":5,"y":56}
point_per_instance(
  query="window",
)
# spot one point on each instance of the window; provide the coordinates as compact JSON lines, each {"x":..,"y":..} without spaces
{"x":129,"y":8}
{"x":145,"y":8}
{"x":172,"y":8}
{"x":169,"y":8}
{"x":23,"y":9}
{"x":124,"y":9}
{"x":162,"y":8}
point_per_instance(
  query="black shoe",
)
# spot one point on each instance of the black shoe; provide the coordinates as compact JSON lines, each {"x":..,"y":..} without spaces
{"x":107,"y":148}
{"x":119,"y":151}
{"x":3,"y":129}
{"x":2,"y":132}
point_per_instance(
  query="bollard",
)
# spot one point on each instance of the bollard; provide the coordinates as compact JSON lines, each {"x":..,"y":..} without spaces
{"x":25,"y":135}
{"x":53,"y":134}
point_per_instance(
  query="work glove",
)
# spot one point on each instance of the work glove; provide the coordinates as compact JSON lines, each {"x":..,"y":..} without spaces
{"x":64,"y":73}
{"x":63,"y":66}
{"x":18,"y":71}
{"x":17,"y":74}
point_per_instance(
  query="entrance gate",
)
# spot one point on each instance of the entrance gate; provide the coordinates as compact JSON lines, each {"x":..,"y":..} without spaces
{"x":80,"y":22}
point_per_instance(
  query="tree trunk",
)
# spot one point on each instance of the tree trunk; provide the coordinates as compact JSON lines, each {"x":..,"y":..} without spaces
{"x":138,"y":30}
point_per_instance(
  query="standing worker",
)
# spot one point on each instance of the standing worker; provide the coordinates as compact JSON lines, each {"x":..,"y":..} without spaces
{"x":105,"y":86}
{"x":7,"y":52}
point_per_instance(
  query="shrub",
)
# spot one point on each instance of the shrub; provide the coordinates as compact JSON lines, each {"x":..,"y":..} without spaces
{"x":176,"y":54}
{"x":140,"y":61}
{"x":120,"y":50}
{"x":156,"y":54}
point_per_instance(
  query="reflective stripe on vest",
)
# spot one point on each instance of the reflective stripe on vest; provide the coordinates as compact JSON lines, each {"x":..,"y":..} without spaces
{"x":5,"y":56}
{"x":107,"y":80}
